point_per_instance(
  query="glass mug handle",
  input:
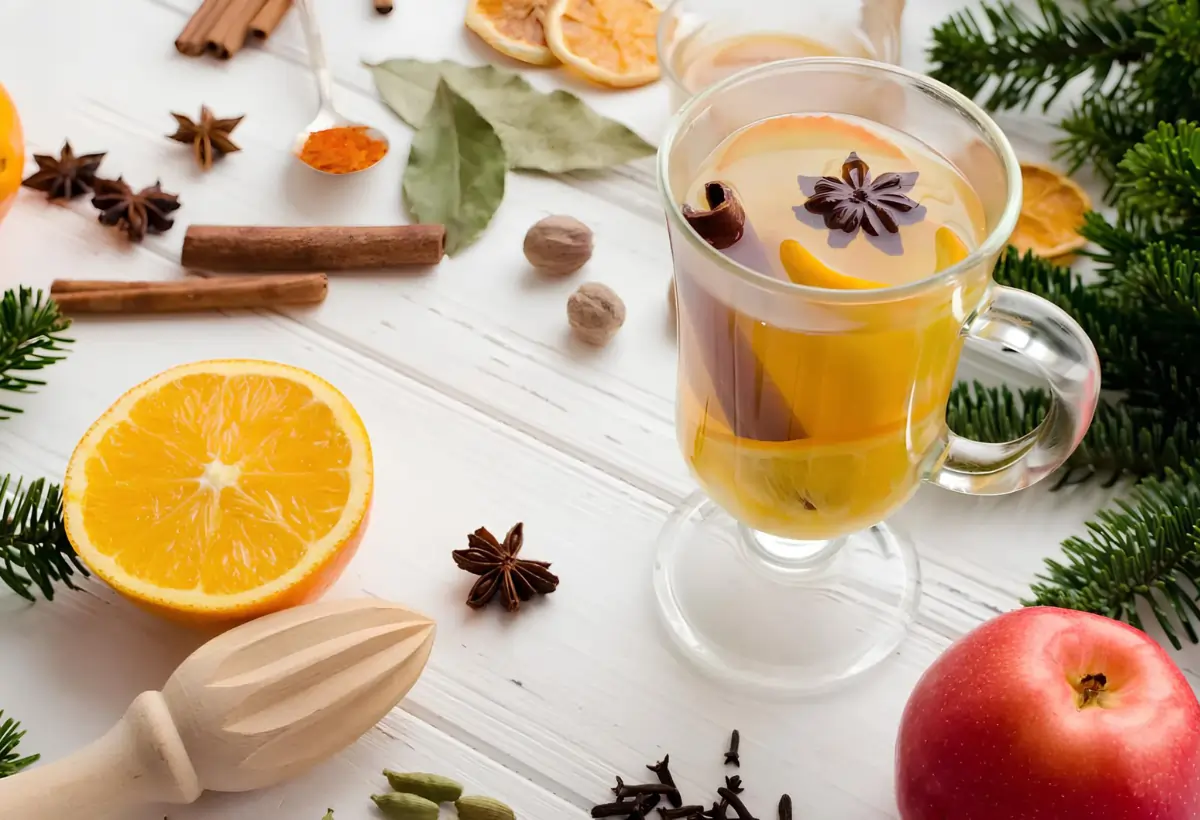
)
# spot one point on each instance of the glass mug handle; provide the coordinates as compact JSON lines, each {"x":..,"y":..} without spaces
{"x":1053,"y":344}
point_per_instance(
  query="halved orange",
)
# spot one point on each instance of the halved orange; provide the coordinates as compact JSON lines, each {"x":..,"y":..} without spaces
{"x":512,"y":27}
{"x":611,"y":42}
{"x":1052,"y":211}
{"x":221,"y":490}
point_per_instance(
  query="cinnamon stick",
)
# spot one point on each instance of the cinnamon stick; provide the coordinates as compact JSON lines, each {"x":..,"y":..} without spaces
{"x":268,"y":18}
{"x":229,"y":34}
{"x":193,"y":40}
{"x":76,"y":297}
{"x":250,"y":249}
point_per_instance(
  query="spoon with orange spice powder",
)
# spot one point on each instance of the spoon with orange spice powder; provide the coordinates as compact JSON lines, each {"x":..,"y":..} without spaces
{"x":331,"y":143}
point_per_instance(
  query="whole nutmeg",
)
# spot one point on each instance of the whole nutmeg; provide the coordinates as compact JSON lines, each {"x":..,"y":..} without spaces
{"x":595,"y":312}
{"x":558,"y":245}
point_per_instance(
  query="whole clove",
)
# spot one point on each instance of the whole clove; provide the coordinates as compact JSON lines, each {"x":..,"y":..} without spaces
{"x":732,"y":757}
{"x":785,"y":807}
{"x":734,"y":784}
{"x":663,"y":770}
{"x":735,"y":802}
{"x":718,"y":811}
{"x":623,"y":789}
{"x":681,"y":813}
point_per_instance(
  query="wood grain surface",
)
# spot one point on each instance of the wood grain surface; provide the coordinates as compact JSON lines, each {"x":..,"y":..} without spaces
{"x":482,"y":411}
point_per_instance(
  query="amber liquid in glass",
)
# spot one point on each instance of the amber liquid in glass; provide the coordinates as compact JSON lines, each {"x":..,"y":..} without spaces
{"x":700,"y":62}
{"x":817,"y":428}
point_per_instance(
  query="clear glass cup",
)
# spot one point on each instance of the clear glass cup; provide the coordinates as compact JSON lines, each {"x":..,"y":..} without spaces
{"x":779,"y":576}
{"x":694,"y":36}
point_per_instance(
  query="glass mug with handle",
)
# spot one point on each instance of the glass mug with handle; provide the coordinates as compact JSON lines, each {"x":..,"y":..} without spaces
{"x":834,"y":224}
{"x":700,"y":42}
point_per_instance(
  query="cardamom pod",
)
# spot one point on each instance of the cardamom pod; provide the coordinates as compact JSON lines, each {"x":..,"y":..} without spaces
{"x":482,"y":808}
{"x":406,"y":806}
{"x":430,"y":786}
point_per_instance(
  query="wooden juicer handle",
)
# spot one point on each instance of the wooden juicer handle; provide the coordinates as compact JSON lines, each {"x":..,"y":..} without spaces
{"x":140,"y":760}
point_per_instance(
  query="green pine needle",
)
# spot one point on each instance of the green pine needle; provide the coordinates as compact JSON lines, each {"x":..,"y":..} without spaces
{"x":1137,"y":127}
{"x":1146,"y":550}
{"x":1017,"y":55}
{"x":10,"y":738}
{"x":31,"y":338}
{"x":34,"y":551}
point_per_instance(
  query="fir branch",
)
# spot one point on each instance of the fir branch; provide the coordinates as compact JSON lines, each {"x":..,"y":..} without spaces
{"x":1122,"y":441}
{"x":1018,"y":55}
{"x":1147,"y":549}
{"x":31,"y":338}
{"x":34,"y":550}
{"x":10,"y":737}
{"x":1161,"y":176}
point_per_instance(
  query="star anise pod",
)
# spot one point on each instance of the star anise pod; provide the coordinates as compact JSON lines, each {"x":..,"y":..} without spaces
{"x":135,"y":213}
{"x":209,"y":137}
{"x":856,"y":200}
{"x":66,"y":177}
{"x":501,"y":571}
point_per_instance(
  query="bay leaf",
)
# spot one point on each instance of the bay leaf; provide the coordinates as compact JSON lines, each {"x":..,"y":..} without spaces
{"x":456,"y":168}
{"x":555,"y":132}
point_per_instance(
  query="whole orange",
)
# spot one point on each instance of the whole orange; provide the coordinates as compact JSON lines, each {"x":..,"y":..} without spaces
{"x":12,"y":152}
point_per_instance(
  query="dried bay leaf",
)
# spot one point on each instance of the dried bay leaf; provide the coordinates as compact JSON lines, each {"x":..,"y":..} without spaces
{"x":456,"y":168}
{"x":555,"y":132}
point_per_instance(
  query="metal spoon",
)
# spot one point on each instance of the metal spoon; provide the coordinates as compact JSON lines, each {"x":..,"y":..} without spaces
{"x":327,"y":116}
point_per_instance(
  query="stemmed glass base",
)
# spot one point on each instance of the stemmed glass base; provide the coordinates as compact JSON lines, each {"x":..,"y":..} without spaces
{"x":782,"y":617}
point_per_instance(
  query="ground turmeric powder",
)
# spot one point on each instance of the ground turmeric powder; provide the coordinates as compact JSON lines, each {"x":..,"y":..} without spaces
{"x":342,"y":150}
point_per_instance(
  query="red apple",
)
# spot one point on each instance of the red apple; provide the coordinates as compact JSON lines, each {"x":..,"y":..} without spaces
{"x":1049,"y":714}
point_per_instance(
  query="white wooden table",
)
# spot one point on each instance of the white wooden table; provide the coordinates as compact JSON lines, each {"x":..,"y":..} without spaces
{"x":482,"y":411}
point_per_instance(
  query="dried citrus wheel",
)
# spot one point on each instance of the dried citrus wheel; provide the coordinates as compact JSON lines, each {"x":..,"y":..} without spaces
{"x":608,"y":41}
{"x":12,"y":153}
{"x":1052,"y":211}
{"x":221,"y":490}
{"x":512,"y":27}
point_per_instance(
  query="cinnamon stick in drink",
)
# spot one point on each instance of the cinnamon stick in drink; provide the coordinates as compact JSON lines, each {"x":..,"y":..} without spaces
{"x":268,"y":18}
{"x":229,"y":293}
{"x":752,"y":404}
{"x":193,"y":40}
{"x":256,"y":249}
{"x":229,"y":34}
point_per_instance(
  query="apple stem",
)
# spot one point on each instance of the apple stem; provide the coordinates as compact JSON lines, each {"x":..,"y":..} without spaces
{"x":1091,"y":686}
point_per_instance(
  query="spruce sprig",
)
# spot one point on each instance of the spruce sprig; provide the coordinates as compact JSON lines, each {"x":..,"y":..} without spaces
{"x":1140,"y":60}
{"x":1143,"y":314}
{"x":10,"y":737}
{"x":31,"y":339}
{"x":1147,"y":549}
{"x":34,"y":551}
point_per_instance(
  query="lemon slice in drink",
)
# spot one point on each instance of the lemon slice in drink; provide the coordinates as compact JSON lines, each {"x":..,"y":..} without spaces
{"x":812,"y":488}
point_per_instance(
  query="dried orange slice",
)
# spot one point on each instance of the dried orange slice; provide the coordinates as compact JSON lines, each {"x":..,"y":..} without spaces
{"x":221,"y":490}
{"x":512,"y":27}
{"x":608,"y":41}
{"x":1052,"y":211}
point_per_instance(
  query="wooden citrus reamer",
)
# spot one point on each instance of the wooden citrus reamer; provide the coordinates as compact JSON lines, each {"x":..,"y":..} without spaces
{"x":253,"y":707}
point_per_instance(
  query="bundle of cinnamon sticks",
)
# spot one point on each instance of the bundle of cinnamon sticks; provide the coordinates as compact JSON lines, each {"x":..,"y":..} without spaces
{"x":222,"y":27}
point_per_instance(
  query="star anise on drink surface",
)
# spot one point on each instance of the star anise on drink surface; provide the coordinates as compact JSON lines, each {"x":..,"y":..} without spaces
{"x":134,"y":213}
{"x":66,"y":177}
{"x":209,"y":137}
{"x":856,"y":200}
{"x":501,"y":571}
